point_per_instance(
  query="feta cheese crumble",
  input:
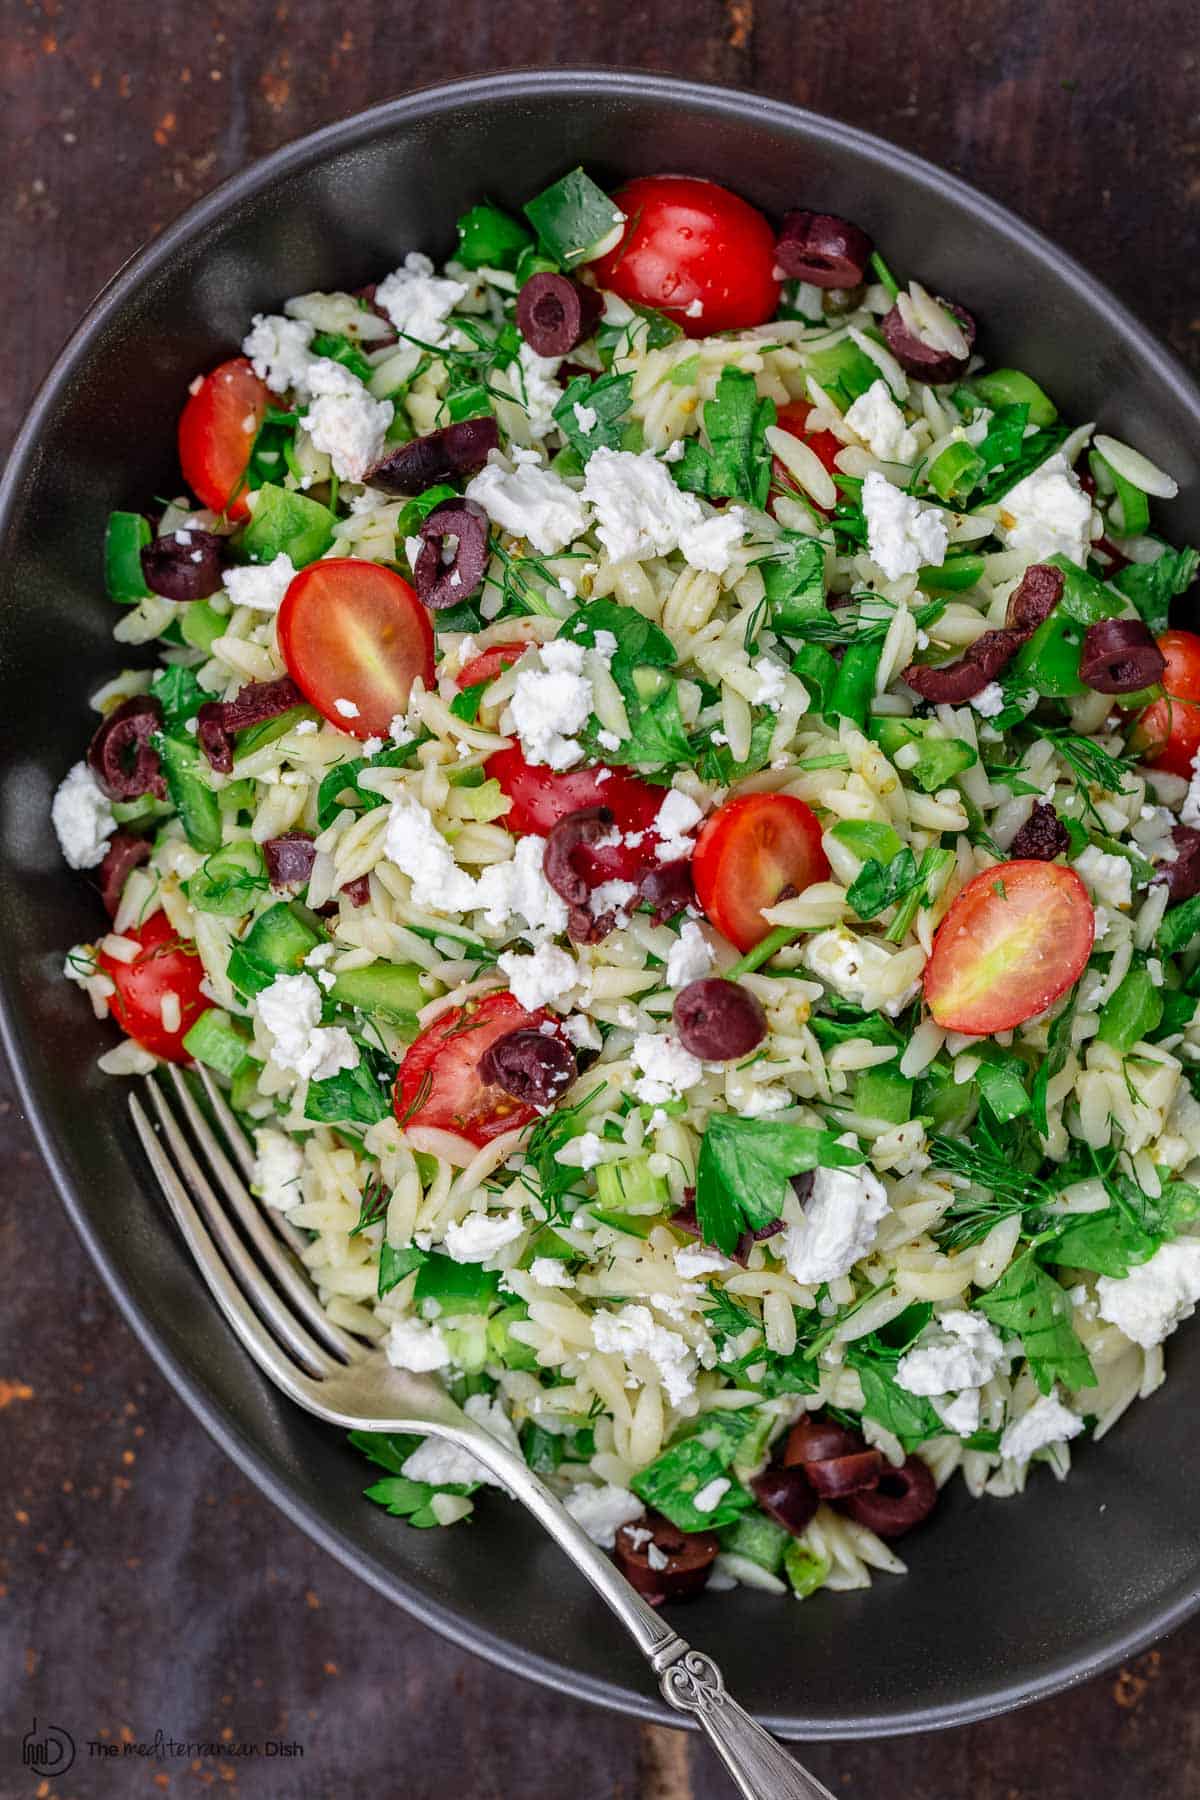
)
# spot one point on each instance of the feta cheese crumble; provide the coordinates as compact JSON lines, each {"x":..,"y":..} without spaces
{"x":546,"y":978}
{"x":1109,"y":877}
{"x":903,"y":535}
{"x":549,"y":704}
{"x":278,"y":1165}
{"x":291,"y":1011}
{"x":603,"y":1510}
{"x":416,"y":1346}
{"x":667,"y":1068}
{"x":417,"y":301}
{"x":530,"y":502}
{"x":344,"y":421}
{"x":519,"y":889}
{"x":1150,"y":1301}
{"x":841,"y":1221}
{"x":260,"y":586}
{"x":854,"y":967}
{"x":278,"y":351}
{"x":690,"y":957}
{"x":961,"y":1350}
{"x":82,"y":817}
{"x":675,"y":821}
{"x":1047,"y":514}
{"x":989,"y":700}
{"x":635,"y":1332}
{"x":418,"y":849}
{"x":879,"y":422}
{"x":1047,"y":1422}
{"x":480,"y":1235}
{"x":641,"y":513}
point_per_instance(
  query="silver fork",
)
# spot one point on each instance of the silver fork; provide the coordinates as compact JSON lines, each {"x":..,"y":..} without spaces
{"x":273,"y":1308}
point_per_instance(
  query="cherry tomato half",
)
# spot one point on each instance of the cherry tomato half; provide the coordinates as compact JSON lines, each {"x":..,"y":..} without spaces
{"x":541,"y":797}
{"x":793,"y":419}
{"x":488,"y":664}
{"x":754,"y":852}
{"x":1168,"y":733}
{"x":355,"y":631}
{"x":438,"y":1084}
{"x":695,"y":251}
{"x":166,"y":964}
{"x":1016,"y":938}
{"x":217,"y":429}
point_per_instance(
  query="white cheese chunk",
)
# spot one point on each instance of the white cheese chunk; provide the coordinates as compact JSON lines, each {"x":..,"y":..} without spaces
{"x":667,"y":1068}
{"x":841,"y":1221}
{"x":879,"y":422}
{"x":1047,"y":1422}
{"x":260,"y":586}
{"x":82,"y":817}
{"x":416,"y":846}
{"x":278,"y":1165}
{"x":1150,"y":1301}
{"x":530,"y":502}
{"x":603,"y":1510}
{"x":635,"y":1332}
{"x":903,"y":535}
{"x":480,"y":1235}
{"x":291,"y":1011}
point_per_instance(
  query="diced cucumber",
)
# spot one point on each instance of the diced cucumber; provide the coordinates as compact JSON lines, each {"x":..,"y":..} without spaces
{"x":942,"y":1100}
{"x":805,"y":1568}
{"x":1012,"y":387}
{"x":229,"y":881}
{"x":257,"y":737}
{"x":457,"y":1287}
{"x":867,"y":838}
{"x":125,"y":538}
{"x":759,"y":1538}
{"x":468,"y":1345}
{"x":884,"y":1093}
{"x":575,"y":220}
{"x":628,"y":1188}
{"x":287,"y":523}
{"x":510,"y":1351}
{"x":201,"y":625}
{"x":237,"y":796}
{"x":142,"y":811}
{"x":244,"y":1096}
{"x":219,"y":1041}
{"x":953,"y":576}
{"x":490,"y":239}
{"x":276,"y":944}
{"x":193,"y":799}
{"x":390,"y":991}
{"x":955,"y":471}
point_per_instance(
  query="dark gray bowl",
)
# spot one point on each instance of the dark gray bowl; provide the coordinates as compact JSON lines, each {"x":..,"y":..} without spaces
{"x":1005,"y":1600}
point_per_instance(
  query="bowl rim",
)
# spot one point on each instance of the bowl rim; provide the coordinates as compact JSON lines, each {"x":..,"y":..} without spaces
{"x":345,"y":134}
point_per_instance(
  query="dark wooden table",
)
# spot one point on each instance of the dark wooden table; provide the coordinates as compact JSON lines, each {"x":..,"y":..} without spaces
{"x":144,"y":1585}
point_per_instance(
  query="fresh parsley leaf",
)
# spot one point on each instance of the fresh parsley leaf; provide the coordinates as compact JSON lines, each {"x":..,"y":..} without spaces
{"x":1058,"y":1043}
{"x":1179,"y":927}
{"x":670,"y":1483}
{"x":737,"y":464}
{"x":340,"y":787}
{"x":745,"y":1169}
{"x":465,"y":704}
{"x":640,"y":643}
{"x":608,"y":397}
{"x":1005,"y":436}
{"x":352,"y":1096}
{"x":394,"y":1265}
{"x":179,"y":694}
{"x":1029,"y":1304}
{"x":724,"y":1316}
{"x":794,"y":580}
{"x":715,"y":762}
{"x":340,"y":349}
{"x":1152,"y":586}
{"x":909,"y":1417}
{"x":658,"y":738}
{"x":879,"y":885}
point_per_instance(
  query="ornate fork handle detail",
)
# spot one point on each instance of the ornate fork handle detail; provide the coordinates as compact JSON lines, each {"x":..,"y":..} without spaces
{"x":692,"y":1683}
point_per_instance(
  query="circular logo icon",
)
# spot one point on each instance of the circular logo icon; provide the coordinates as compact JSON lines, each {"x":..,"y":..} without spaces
{"x":48,"y":1750}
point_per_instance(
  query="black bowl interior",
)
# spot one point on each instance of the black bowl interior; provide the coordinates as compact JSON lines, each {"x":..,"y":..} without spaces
{"x":1005,"y":1600}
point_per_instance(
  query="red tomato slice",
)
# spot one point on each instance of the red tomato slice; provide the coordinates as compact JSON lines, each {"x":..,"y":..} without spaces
{"x":1168,"y":733}
{"x":217,"y":429}
{"x":541,"y":797}
{"x":1017,"y":937}
{"x":488,"y":664}
{"x":695,"y":251}
{"x":751,"y":853}
{"x":166,"y":964}
{"x":355,"y":631}
{"x":438,"y":1083}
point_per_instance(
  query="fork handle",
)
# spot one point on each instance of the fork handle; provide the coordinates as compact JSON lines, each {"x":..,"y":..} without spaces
{"x":761,"y":1768}
{"x":690,"y":1681}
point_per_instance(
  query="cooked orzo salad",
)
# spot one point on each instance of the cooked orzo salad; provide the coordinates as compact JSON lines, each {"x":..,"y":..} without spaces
{"x":667,"y":797}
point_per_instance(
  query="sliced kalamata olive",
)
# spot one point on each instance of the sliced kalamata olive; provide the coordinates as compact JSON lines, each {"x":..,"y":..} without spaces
{"x":948,"y":684}
{"x":1034,"y":598}
{"x":124,"y":853}
{"x":185,"y":564}
{"x":218,"y":720}
{"x":684,"y":1558}
{"x":813,"y":1439}
{"x":444,"y":583}
{"x":786,"y":1496}
{"x":1182,"y":877}
{"x":290,"y":858}
{"x":1120,"y":656}
{"x":459,"y":449}
{"x":718,"y":1020}
{"x":1042,"y":837}
{"x":358,"y":891}
{"x":575,"y":831}
{"x":902,"y":1499}
{"x":529,"y":1064}
{"x":667,"y":889}
{"x":121,"y":756}
{"x":585,"y":927}
{"x":822,"y":249}
{"x":924,"y":362}
{"x":836,"y":1476}
{"x":555,"y":313}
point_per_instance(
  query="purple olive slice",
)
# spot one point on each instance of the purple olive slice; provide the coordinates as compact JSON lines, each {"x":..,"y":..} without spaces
{"x":555,"y":313}
{"x":1034,"y":598}
{"x":124,"y":853}
{"x":679,"y":1566}
{"x":459,"y":449}
{"x":786,"y":1496}
{"x":928,"y":362}
{"x":903,"y":1498}
{"x":718,"y":1020}
{"x":531,"y":1065}
{"x":1120,"y":656}
{"x":1182,"y":877}
{"x":824,"y":250}
{"x":289,"y":858}
{"x":949,"y":684}
{"x":454,"y":553}
{"x":184,"y":564}
{"x":121,"y":756}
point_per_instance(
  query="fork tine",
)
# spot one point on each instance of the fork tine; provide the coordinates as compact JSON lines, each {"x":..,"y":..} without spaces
{"x":294,"y":1282}
{"x":247,"y":1326}
{"x":243,"y":1155}
{"x":269,"y":1305}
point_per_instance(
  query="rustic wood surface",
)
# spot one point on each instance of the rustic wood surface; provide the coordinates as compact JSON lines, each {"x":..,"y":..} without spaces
{"x":144,"y":1584}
